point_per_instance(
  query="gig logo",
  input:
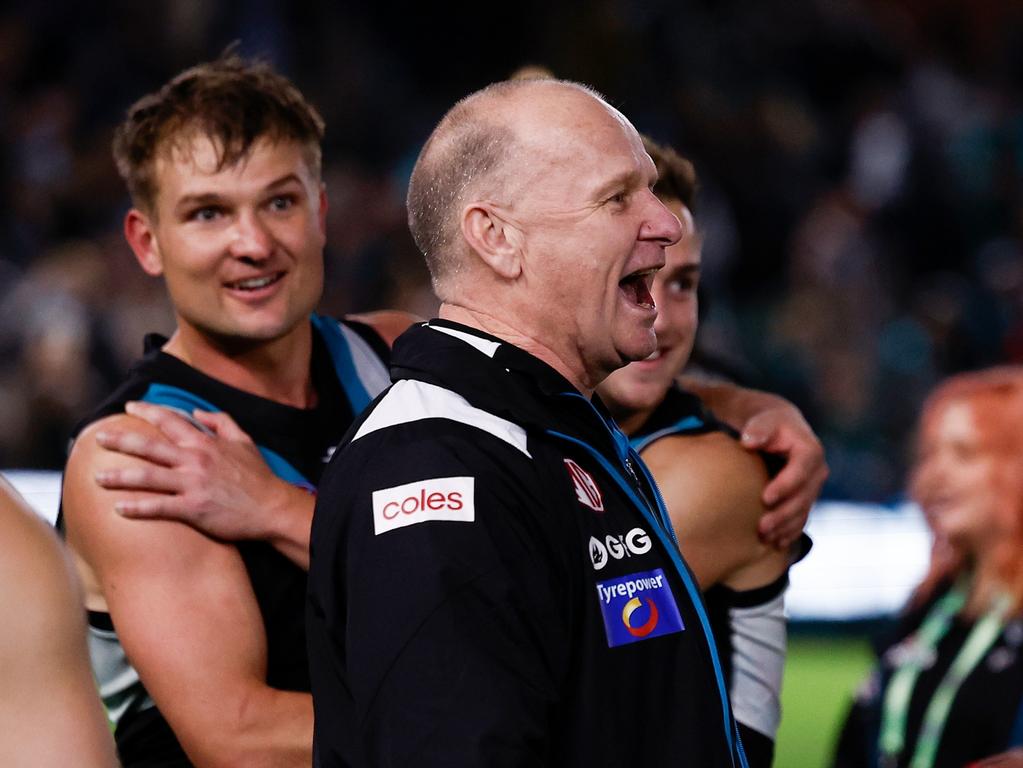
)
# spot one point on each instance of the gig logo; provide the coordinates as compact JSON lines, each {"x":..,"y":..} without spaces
{"x":635,"y":542}
{"x":637,"y":607}
{"x":586,"y":490}
{"x":441,"y":498}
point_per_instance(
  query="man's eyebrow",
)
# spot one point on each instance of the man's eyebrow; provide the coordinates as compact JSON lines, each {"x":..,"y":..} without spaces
{"x":683,"y":269}
{"x":215,"y":198}
{"x":284,"y":180}
{"x":624,"y":180}
{"x":200,"y":198}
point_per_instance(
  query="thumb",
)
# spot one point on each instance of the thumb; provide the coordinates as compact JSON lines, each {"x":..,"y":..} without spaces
{"x":221,"y":424}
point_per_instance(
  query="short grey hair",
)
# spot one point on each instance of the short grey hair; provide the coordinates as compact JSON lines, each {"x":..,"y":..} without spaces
{"x":467,"y":153}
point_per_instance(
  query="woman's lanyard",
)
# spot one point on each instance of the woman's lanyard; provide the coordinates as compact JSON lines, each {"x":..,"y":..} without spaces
{"x":922,"y":648}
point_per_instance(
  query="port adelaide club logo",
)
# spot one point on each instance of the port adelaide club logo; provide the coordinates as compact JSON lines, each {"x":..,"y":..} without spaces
{"x":586,"y":490}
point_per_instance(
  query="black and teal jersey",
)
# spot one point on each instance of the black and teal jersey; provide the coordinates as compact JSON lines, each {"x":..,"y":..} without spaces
{"x":348,"y":369}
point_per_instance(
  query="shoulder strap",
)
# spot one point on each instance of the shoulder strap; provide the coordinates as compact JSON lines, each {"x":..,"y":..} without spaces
{"x":687,"y":425}
{"x":184,"y":402}
{"x":359,"y":369}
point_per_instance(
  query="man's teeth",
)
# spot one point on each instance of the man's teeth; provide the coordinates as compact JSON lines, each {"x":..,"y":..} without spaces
{"x":654,"y":355}
{"x":255,"y":283}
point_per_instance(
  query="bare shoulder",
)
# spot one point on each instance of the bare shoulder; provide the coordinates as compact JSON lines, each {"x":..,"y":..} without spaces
{"x":710,"y":466}
{"x":82,"y":496}
{"x":50,"y":708}
{"x":712,"y":487}
{"x":105,"y":539}
{"x":37,"y":583}
{"x":388,"y":323}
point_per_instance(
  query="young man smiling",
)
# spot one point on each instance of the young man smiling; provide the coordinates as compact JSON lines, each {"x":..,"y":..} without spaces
{"x":198,"y":645}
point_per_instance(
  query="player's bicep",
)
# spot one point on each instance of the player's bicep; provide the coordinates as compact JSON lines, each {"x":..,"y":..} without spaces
{"x":712,"y":489}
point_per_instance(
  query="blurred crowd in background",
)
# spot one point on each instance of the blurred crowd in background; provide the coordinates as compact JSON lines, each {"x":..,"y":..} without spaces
{"x":861,"y":168}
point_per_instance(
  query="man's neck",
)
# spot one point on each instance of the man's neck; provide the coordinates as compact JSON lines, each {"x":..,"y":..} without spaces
{"x":277,"y":370}
{"x":496,"y":327}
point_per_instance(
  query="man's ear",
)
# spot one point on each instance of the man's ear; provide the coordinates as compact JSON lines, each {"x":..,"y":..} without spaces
{"x":493,"y":238}
{"x":138,"y":231}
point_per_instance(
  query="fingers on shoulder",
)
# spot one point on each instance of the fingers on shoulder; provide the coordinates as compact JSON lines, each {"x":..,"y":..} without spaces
{"x":88,"y":457}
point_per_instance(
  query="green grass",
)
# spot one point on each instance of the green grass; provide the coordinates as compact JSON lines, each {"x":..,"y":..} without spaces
{"x":821,"y":674}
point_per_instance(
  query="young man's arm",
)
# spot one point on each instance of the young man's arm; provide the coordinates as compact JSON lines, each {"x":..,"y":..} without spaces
{"x":772,"y":424}
{"x":187,"y":618}
{"x":50,"y":710}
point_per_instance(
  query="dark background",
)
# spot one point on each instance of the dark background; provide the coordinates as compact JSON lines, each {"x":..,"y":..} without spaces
{"x":861,"y":164}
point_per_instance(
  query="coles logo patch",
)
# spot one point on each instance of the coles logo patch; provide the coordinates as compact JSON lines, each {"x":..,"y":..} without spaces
{"x":441,"y":498}
{"x":638,"y":606}
{"x":586,"y":490}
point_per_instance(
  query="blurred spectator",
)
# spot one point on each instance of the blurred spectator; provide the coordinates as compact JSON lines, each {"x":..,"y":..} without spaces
{"x":948,"y":689}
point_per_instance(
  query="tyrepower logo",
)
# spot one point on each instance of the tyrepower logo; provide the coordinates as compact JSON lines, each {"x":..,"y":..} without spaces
{"x":637,"y":607}
{"x":635,"y":542}
{"x":441,"y":498}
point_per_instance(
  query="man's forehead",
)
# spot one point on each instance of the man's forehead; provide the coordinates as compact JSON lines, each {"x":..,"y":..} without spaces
{"x":200,"y":155}
{"x":197,"y":150}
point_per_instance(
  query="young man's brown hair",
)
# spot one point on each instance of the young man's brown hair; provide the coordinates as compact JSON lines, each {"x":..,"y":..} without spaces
{"x":232,"y":101}
{"x":676,"y":177}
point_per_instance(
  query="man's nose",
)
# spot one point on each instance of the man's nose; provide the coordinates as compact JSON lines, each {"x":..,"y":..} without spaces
{"x":250,"y":237}
{"x":660,"y":223}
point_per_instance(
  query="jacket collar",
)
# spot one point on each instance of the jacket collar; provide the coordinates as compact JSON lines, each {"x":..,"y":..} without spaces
{"x":501,"y":378}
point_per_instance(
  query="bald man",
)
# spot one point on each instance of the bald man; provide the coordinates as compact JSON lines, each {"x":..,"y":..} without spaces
{"x":50,"y":712}
{"x":456,"y":615}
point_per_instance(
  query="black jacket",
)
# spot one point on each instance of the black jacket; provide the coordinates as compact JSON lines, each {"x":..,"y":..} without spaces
{"x":493,"y":582}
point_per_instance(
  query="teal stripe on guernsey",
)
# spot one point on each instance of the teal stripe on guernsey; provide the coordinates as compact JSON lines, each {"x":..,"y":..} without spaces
{"x":731,"y":729}
{"x":687,"y":424}
{"x":344,"y":364}
{"x":185,"y":402}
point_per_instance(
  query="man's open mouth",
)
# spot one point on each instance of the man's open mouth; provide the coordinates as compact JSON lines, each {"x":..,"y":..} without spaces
{"x":636,"y":287}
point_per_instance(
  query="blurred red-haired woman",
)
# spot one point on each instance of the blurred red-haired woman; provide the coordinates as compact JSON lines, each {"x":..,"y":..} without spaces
{"x":948,"y":691}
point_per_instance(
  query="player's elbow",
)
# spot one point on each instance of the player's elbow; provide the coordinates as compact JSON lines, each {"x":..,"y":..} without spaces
{"x":260,"y":728}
